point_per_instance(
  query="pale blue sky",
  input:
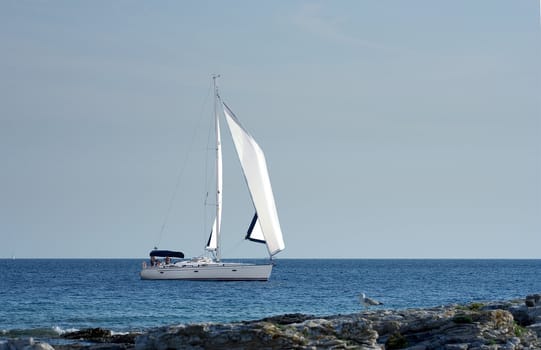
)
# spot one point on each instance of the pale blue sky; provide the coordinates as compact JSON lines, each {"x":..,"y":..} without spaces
{"x":391,"y":128}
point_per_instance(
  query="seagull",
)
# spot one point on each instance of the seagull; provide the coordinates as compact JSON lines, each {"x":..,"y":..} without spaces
{"x":366,"y":301}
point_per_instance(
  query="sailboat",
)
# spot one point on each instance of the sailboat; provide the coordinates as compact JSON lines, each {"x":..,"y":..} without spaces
{"x":264,"y":226}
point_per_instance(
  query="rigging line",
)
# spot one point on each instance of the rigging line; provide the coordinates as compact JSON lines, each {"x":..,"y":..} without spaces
{"x":234,"y":247}
{"x":206,"y":186}
{"x":182,"y":168}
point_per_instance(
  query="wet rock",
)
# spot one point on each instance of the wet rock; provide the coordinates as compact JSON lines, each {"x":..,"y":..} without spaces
{"x":90,"y":334}
{"x":533,"y":300}
{"x":104,"y":339}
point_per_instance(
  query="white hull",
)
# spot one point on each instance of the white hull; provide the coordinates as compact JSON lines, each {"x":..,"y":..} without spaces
{"x":208,"y":272}
{"x":264,"y":228}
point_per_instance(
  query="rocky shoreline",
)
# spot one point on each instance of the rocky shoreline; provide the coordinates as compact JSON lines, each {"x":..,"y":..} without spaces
{"x":509,"y":325}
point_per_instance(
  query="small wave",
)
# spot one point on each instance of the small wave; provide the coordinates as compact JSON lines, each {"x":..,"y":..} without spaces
{"x":53,"y":332}
{"x":61,"y":331}
{"x":119,"y":333}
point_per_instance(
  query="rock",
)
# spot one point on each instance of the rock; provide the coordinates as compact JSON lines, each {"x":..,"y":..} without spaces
{"x":128,"y":338}
{"x":533,"y":299}
{"x":536,"y":327}
{"x":25,"y":344}
{"x":91,"y":334}
{"x":509,"y":325}
{"x":515,"y":341}
{"x":339,"y":333}
{"x":456,"y":347}
{"x":103,"y":338}
{"x":448,"y":327}
{"x":525,"y":315}
{"x":39,"y":346}
{"x":287,"y":318}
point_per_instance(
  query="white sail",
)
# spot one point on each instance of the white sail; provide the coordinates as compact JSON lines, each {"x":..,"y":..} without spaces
{"x":264,"y":228}
{"x":256,"y":174}
{"x":212,"y":244}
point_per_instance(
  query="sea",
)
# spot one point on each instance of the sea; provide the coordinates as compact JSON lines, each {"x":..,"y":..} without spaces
{"x":44,"y":298}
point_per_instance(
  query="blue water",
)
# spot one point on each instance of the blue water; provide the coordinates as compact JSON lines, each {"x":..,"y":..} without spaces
{"x":50,"y":296}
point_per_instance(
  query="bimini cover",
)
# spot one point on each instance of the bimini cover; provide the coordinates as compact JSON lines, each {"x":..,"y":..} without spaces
{"x":167,"y":253}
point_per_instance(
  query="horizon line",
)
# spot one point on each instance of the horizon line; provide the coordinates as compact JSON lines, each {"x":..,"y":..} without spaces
{"x":288,"y":258}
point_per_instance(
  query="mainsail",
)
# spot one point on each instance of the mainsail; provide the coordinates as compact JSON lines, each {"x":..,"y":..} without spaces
{"x":255,"y":171}
{"x":264,"y":228}
{"x":212,"y":244}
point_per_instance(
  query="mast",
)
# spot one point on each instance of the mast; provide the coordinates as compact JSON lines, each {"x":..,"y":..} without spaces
{"x":218,"y":167}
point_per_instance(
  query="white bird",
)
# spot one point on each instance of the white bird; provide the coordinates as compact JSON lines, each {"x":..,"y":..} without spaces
{"x":366,"y":301}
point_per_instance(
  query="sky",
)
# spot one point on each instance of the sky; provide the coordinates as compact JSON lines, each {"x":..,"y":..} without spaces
{"x":392,"y":129}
